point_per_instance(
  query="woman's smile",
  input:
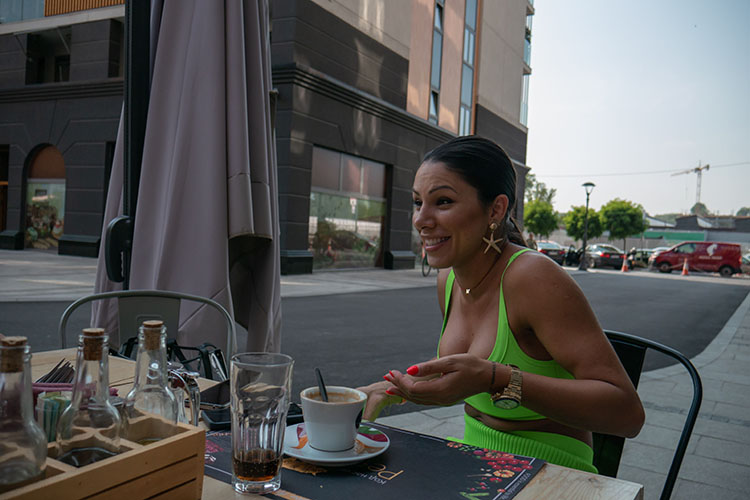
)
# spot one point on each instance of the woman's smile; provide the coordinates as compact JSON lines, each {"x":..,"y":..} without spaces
{"x":432,"y":244}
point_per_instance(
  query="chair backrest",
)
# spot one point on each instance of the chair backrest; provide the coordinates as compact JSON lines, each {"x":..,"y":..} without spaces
{"x":632,"y":350}
{"x":136,"y":306}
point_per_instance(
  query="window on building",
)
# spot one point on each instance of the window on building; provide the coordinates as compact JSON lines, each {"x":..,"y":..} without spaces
{"x":527,"y":41}
{"x":20,"y":10}
{"x":437,"y":60}
{"x":4,"y":167}
{"x":116,"y":50}
{"x":524,"y":118}
{"x":467,"y":72}
{"x":62,"y":68}
{"x":347,"y":210}
{"x":434,"y":98}
{"x":524,"y":114}
{"x":48,"y":56}
{"x":45,"y":199}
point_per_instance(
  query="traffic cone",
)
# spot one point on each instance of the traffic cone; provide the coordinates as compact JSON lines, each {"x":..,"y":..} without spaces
{"x":624,"y":264}
{"x":685,"y":268}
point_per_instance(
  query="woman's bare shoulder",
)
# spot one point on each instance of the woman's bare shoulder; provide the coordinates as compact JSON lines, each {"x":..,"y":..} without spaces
{"x":536,"y":266}
{"x":534,"y":272}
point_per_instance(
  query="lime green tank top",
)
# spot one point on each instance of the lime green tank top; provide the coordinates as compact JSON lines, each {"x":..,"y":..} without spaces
{"x":506,"y":351}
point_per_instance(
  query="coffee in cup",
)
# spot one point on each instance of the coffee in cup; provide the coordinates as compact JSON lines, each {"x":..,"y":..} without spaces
{"x":332,"y":425}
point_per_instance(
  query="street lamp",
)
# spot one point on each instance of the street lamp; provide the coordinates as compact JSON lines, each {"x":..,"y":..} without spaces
{"x":584,"y":264}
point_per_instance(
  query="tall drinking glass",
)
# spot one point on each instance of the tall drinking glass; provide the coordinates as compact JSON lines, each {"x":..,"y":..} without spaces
{"x":261,"y":384}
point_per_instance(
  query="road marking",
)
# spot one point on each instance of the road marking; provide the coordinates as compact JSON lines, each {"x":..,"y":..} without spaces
{"x":58,"y":282}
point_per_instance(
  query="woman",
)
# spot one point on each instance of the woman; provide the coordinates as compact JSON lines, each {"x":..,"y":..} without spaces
{"x":520,"y":343}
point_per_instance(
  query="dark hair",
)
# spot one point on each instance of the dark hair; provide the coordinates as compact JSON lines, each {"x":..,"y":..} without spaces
{"x":485,"y":166}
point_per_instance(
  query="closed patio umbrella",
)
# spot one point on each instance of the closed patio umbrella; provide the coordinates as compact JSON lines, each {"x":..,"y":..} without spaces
{"x":207,"y":214}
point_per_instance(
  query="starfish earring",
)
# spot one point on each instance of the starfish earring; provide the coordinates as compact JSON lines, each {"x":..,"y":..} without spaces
{"x":492,"y":242}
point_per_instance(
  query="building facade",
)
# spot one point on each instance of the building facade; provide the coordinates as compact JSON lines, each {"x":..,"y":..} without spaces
{"x":365,"y":89}
{"x":61,"y":87}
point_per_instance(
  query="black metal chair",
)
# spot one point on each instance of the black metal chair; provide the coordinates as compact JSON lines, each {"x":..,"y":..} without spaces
{"x":607,"y":448}
{"x":136,"y":306}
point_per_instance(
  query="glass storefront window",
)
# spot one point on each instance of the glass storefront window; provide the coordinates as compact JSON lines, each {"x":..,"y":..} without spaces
{"x":326,"y":172}
{"x":346,"y":220}
{"x":351,"y":174}
{"x":373,"y":179}
{"x":345,"y":231}
{"x":45,"y":208}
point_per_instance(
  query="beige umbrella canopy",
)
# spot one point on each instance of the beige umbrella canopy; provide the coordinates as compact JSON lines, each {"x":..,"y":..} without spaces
{"x":207,"y":215}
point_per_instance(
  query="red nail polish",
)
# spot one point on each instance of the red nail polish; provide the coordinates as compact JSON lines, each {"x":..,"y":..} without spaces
{"x":385,"y":378}
{"x":390,"y":372}
{"x":389,"y":392}
{"x":412,"y":370}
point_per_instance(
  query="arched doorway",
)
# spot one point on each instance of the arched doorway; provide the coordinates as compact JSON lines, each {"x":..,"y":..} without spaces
{"x":45,"y":198}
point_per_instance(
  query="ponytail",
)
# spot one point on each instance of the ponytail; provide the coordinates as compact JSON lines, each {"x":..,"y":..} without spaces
{"x":513,"y":233}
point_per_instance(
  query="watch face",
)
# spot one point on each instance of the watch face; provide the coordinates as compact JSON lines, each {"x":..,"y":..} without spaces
{"x":506,"y":403}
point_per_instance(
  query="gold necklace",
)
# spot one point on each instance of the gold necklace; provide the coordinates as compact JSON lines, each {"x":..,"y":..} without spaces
{"x":467,"y":291}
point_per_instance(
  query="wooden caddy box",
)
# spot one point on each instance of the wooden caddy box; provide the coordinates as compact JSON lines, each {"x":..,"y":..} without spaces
{"x":171,"y":468}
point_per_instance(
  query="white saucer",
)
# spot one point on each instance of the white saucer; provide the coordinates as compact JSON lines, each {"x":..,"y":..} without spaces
{"x":296,"y":446}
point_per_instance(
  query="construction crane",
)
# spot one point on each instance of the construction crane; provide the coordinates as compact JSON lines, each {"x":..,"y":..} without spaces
{"x":698,"y":170}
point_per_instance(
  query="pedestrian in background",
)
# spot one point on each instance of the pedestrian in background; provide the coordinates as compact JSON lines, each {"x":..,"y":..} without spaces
{"x":531,"y":242}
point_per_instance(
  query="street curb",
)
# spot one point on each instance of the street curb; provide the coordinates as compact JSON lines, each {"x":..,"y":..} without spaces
{"x":715,"y":349}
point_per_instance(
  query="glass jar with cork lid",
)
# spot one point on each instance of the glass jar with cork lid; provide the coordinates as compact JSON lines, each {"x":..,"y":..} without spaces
{"x":89,"y":429}
{"x":23,"y":445}
{"x":151,"y":406}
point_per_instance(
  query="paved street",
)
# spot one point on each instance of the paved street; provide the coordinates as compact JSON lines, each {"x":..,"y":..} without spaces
{"x":328,"y":314}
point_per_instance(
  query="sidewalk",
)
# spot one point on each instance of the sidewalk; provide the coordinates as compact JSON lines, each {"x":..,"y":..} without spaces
{"x":40,"y":276}
{"x":717,"y":462}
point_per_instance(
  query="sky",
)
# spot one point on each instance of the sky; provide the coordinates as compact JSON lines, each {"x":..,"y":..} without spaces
{"x":625,"y":87}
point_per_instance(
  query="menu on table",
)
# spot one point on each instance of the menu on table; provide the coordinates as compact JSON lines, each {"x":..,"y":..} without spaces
{"x":414,"y":466}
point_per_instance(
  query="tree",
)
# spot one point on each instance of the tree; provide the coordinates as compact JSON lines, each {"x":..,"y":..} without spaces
{"x":743,"y":212}
{"x":699,"y":209}
{"x":539,"y":217}
{"x":575,"y":221}
{"x":537,"y":190}
{"x":622,"y":218}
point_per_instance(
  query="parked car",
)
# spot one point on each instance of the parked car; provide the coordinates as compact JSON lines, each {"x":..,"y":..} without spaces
{"x":707,"y":256}
{"x":638,"y":257}
{"x":553,"y":250}
{"x":600,"y":255}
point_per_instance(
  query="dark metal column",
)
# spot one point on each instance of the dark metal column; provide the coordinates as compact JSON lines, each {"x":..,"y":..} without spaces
{"x":119,"y":238}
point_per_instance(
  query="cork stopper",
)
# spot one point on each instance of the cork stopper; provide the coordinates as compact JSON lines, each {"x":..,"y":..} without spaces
{"x":93,"y":342}
{"x":152,"y":333}
{"x":11,"y":360}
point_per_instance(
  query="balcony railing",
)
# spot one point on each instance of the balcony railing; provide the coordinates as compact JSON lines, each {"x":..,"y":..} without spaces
{"x":56,"y":7}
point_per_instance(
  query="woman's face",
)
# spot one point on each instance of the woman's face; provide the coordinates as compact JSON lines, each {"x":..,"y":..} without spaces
{"x":448,"y":215}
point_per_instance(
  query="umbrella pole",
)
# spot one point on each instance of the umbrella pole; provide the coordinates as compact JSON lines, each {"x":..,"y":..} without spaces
{"x":119,"y":237}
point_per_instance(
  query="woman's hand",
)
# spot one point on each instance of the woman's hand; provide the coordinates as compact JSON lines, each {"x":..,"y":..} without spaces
{"x":377,"y":399}
{"x":454,"y":378}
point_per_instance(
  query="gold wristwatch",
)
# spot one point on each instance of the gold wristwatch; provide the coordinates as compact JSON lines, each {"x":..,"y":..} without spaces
{"x":510,"y":398}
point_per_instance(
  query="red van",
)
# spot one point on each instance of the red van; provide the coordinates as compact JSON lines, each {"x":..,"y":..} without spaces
{"x":708,"y":256}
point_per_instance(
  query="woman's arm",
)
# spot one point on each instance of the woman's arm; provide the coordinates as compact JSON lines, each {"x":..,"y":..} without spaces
{"x":545,"y":300}
{"x":542,"y":299}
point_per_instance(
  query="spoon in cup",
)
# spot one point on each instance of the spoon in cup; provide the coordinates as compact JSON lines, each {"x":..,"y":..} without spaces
{"x":321,"y":385}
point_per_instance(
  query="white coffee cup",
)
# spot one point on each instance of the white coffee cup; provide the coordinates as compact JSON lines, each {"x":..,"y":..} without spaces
{"x":332,"y":425}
